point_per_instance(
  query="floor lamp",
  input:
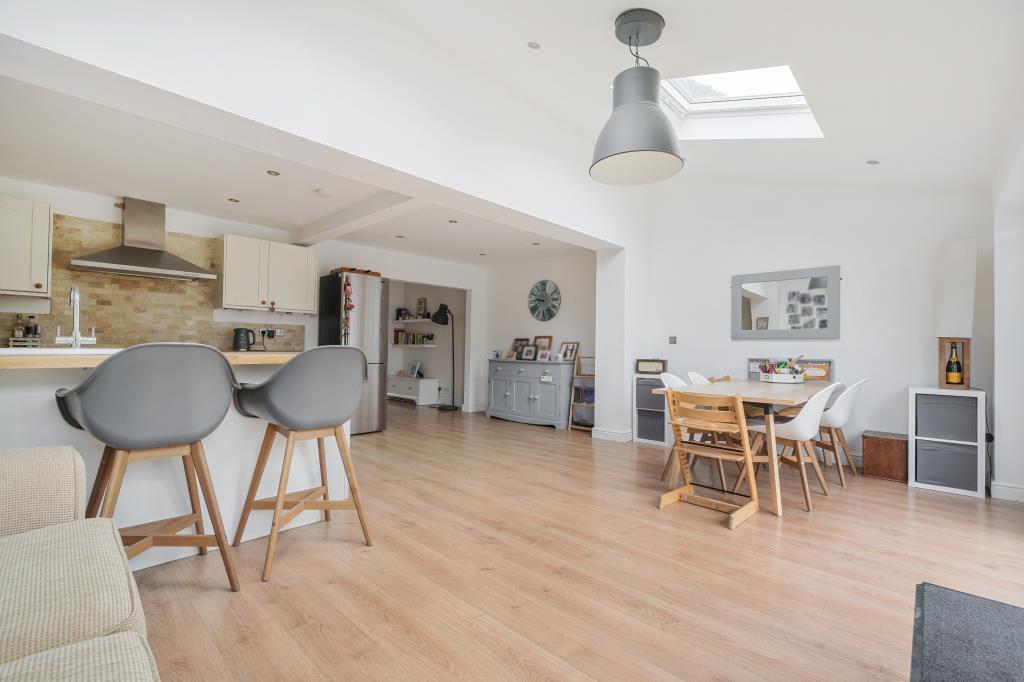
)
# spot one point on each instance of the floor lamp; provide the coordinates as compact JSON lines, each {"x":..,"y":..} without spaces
{"x":441,"y":317}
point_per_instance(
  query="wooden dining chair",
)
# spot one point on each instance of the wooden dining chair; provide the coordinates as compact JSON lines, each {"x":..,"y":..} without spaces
{"x":671,"y":472}
{"x":719,"y":415}
{"x":797,"y":436}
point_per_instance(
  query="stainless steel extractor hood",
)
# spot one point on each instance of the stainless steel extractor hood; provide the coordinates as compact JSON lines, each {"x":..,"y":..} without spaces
{"x":142,"y":253}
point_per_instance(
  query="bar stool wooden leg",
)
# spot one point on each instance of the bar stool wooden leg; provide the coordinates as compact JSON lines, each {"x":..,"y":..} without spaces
{"x":206,"y":483}
{"x":116,"y":478}
{"x":350,"y":472}
{"x":99,"y":486}
{"x":282,"y":491}
{"x":254,"y":485}
{"x":323,"y":474}
{"x":193,"y":497}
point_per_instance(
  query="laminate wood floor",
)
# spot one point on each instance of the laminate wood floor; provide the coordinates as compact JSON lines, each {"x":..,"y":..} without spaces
{"x":507,"y":551}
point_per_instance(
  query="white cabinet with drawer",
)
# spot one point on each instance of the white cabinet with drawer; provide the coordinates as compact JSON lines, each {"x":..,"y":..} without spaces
{"x":420,"y":391}
{"x":26,"y":232}
{"x":257,"y":274}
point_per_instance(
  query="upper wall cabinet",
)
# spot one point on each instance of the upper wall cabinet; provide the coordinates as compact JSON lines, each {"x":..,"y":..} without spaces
{"x":257,"y":274}
{"x":26,"y":232}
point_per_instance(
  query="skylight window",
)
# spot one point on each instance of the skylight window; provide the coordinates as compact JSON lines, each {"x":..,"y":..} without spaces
{"x":759,"y":103}
{"x":752,"y":84}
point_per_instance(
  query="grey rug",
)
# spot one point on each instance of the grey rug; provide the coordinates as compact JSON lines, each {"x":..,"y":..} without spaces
{"x":958,"y":636}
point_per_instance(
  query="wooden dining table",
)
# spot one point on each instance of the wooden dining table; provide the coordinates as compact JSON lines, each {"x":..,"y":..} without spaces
{"x":767,"y":396}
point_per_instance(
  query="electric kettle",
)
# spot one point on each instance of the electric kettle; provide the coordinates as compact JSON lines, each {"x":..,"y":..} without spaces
{"x":244,"y":338}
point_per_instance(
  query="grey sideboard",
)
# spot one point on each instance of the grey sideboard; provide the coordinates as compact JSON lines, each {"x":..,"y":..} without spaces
{"x":530,"y":392}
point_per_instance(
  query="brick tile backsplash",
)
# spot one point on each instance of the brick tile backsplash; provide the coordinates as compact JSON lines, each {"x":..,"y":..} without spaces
{"x":130,"y":310}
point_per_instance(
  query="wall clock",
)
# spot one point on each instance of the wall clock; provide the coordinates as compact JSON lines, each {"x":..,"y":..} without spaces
{"x":544,"y":300}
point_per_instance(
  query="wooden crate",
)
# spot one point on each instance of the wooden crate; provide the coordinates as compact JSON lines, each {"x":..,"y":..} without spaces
{"x":885,"y":455}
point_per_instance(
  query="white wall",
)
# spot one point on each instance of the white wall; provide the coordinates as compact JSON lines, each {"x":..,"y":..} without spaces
{"x":1008,"y":288}
{"x":510,"y":284}
{"x":436,"y":362}
{"x":886,"y":242}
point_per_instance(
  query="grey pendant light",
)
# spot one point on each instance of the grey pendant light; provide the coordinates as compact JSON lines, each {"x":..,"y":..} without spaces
{"x":638,"y":145}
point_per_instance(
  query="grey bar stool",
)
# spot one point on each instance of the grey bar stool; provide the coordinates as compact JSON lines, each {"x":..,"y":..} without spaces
{"x":155,"y":401}
{"x":310,"y":397}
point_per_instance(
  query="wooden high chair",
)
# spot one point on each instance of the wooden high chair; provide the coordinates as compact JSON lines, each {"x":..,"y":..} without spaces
{"x":723,"y":418}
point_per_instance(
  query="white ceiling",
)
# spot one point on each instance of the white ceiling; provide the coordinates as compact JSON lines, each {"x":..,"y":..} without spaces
{"x":51,"y":138}
{"x":55,"y":139}
{"x":927,"y":87}
{"x":428,"y":232}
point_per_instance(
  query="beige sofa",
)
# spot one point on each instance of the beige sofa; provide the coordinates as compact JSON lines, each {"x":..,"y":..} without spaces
{"x":69,"y":607}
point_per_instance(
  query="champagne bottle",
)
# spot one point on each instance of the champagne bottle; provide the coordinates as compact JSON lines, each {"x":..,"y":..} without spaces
{"x":19,"y":327}
{"x":954,"y":370}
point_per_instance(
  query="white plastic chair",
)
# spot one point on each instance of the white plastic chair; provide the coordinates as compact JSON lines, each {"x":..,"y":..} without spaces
{"x":672,"y":381}
{"x":697,"y":379}
{"x":798,"y":434}
{"x":836,"y":416}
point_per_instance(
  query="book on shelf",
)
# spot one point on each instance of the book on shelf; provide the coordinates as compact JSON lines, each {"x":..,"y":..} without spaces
{"x":404,"y":338}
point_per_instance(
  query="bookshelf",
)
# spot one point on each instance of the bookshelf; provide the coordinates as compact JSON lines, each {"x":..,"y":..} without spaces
{"x":582,"y":398}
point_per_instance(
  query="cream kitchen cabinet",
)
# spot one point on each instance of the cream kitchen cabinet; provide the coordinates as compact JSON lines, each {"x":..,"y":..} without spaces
{"x":256,"y":274}
{"x":26,"y":232}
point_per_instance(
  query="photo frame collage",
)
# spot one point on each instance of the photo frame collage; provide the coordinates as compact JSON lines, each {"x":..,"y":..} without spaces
{"x":807,"y":310}
{"x":540,"y":350}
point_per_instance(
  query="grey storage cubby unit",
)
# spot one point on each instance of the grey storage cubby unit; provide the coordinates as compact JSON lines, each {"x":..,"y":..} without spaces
{"x":947,"y":417}
{"x":650,"y":418}
{"x":530,"y":392}
{"x":946,"y":449}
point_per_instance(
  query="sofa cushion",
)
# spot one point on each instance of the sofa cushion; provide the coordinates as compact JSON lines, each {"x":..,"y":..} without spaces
{"x":64,"y":584}
{"x":124,"y":657}
{"x":40,"y":487}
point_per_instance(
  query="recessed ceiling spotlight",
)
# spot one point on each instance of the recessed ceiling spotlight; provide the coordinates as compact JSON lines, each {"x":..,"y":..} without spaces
{"x":533,"y":45}
{"x":233,"y":200}
{"x":483,"y":254}
{"x":872,"y":162}
{"x":273,"y":172}
{"x":536,"y":243}
{"x":399,"y":236}
{"x":323,"y":193}
{"x":452,"y":221}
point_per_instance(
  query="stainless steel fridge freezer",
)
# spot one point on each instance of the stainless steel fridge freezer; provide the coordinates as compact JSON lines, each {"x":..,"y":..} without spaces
{"x":353,"y":312}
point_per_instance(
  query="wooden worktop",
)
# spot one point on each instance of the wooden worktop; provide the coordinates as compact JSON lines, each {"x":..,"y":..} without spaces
{"x":59,"y":361}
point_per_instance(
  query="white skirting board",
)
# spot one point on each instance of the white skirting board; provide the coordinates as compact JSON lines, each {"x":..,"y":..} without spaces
{"x":1007,"y":491}
{"x":613,"y":435}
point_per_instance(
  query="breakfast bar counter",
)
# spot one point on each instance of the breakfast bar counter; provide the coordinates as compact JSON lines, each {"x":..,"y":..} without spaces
{"x":156,"y":489}
{"x":87,"y":358}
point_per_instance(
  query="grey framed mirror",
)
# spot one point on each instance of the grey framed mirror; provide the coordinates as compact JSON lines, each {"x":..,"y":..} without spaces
{"x":788,"y":304}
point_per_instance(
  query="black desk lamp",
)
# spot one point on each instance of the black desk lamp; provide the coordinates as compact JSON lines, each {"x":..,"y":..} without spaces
{"x":441,"y":317}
